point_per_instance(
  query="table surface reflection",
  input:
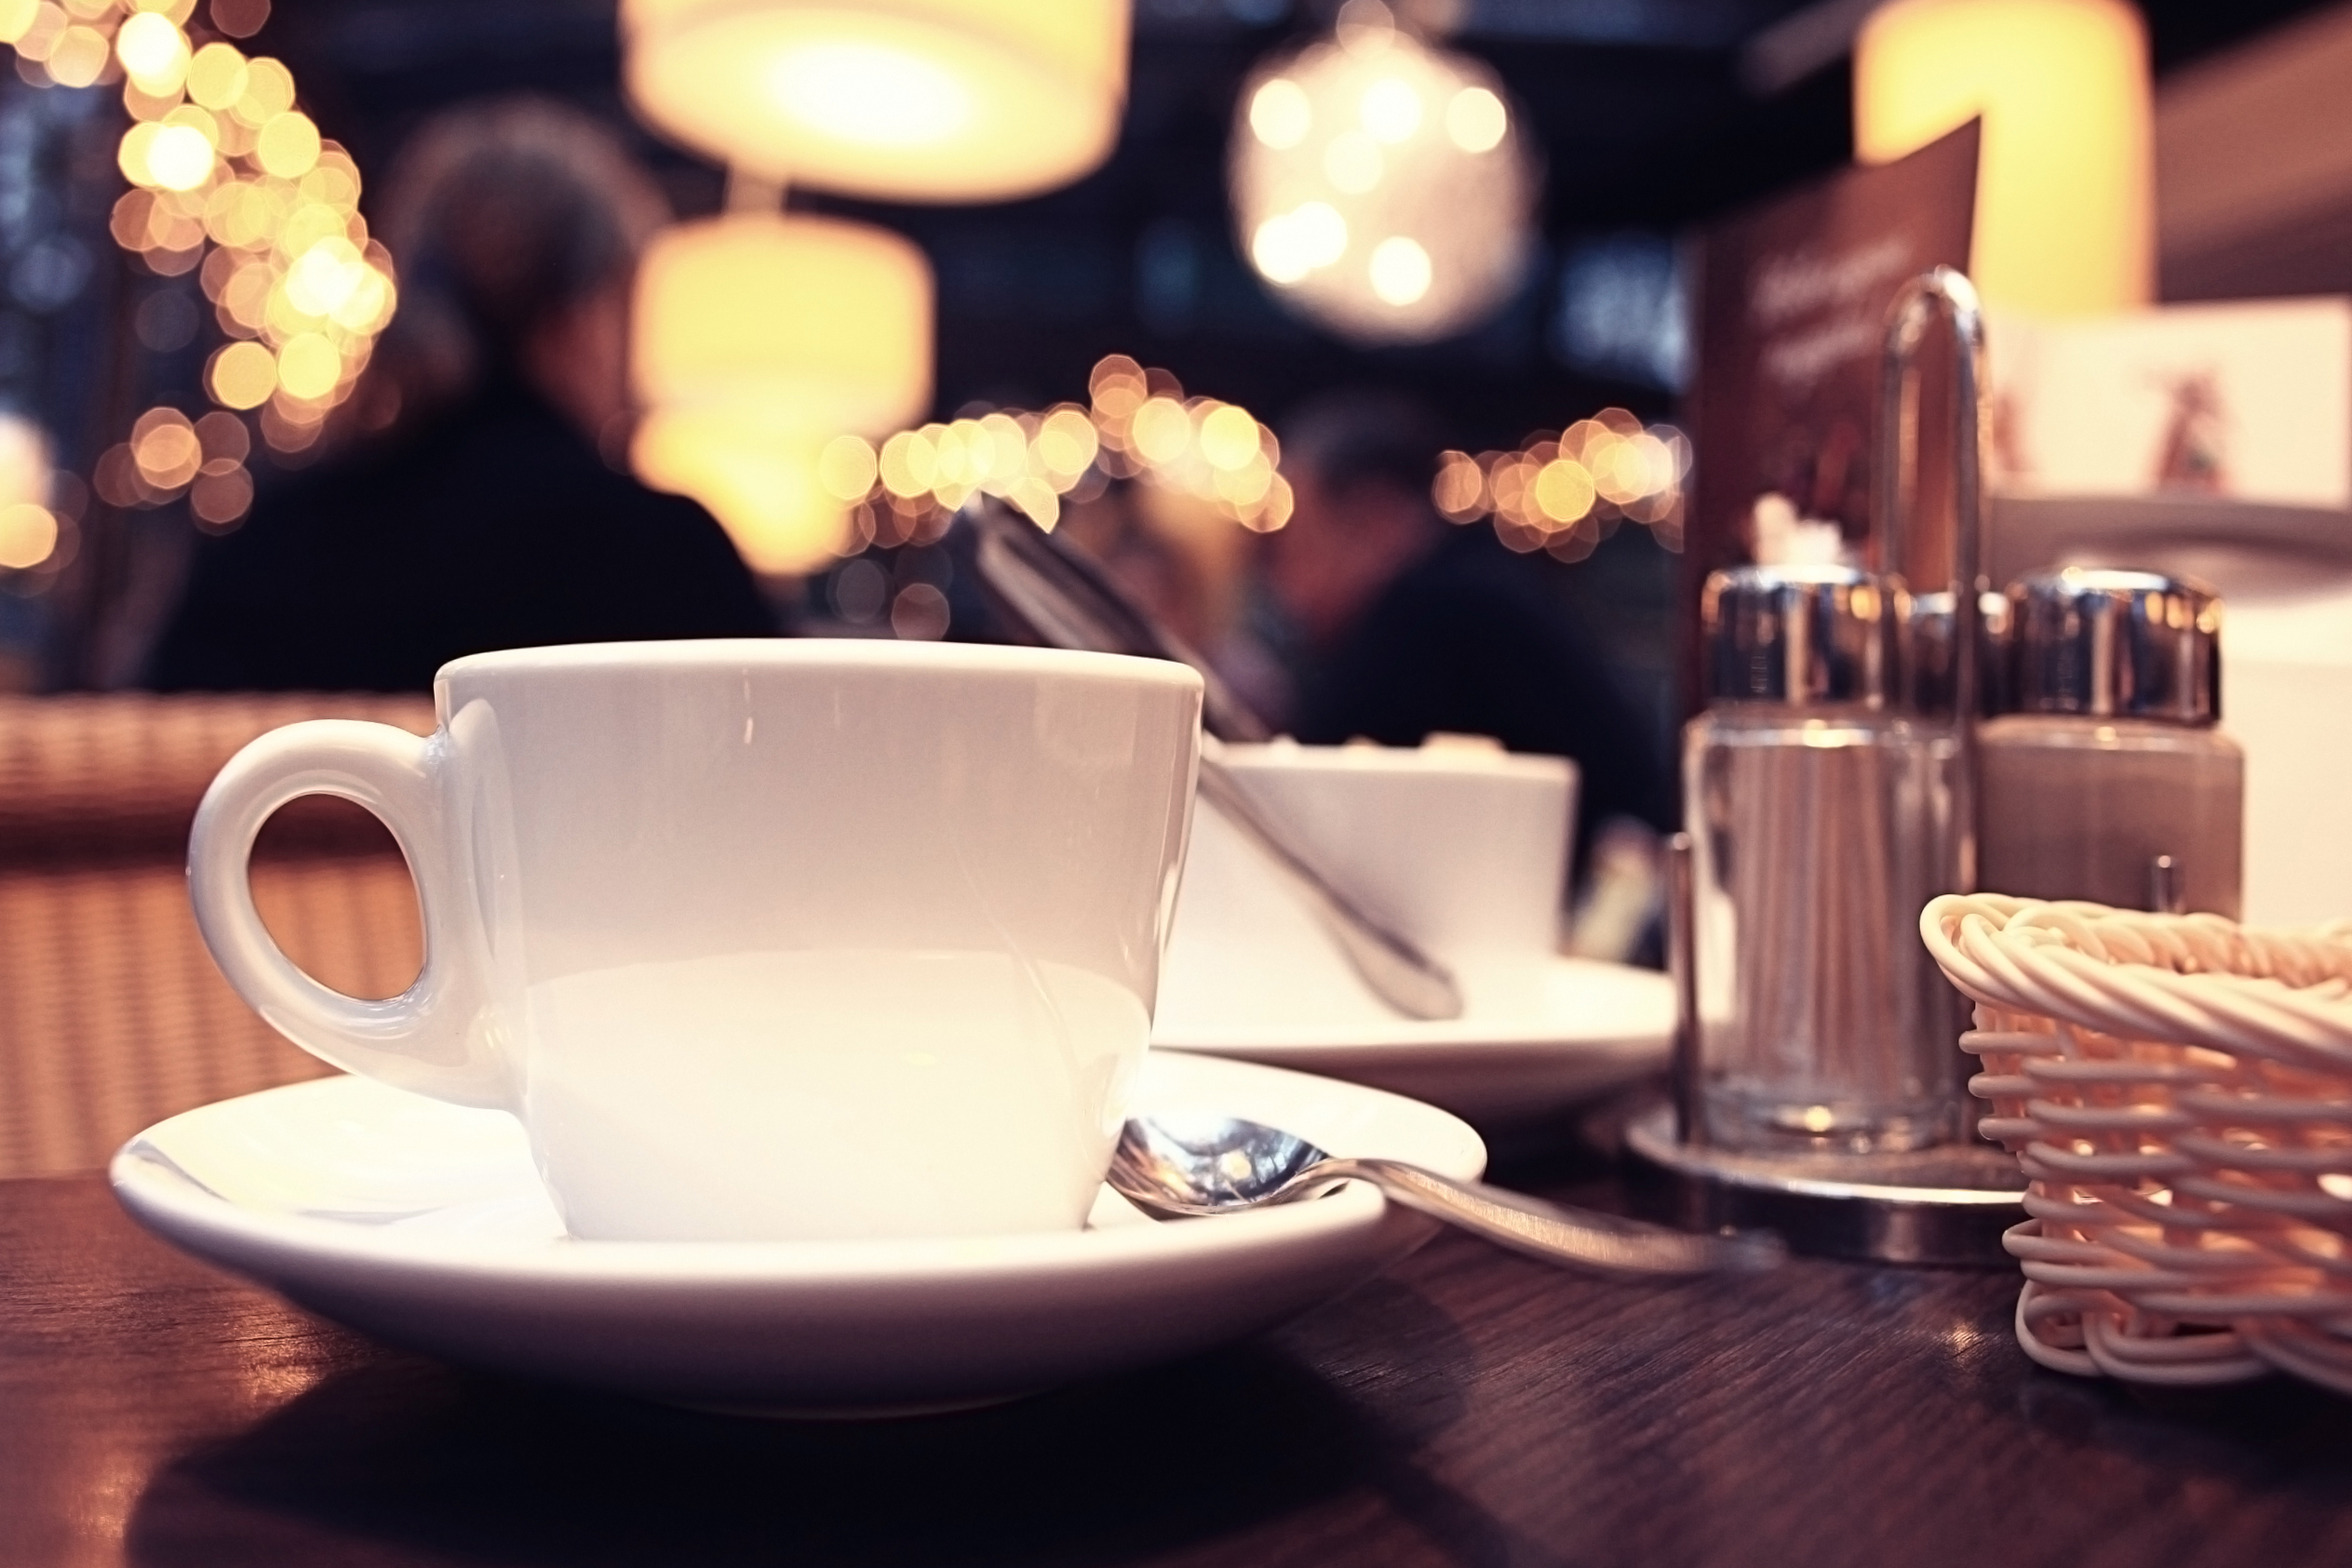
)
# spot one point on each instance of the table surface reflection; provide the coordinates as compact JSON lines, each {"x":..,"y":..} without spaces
{"x":1469,"y":1408}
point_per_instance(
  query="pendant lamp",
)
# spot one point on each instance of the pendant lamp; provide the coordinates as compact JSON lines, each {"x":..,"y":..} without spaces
{"x":757,"y":471}
{"x":758,"y":338}
{"x":1383,"y":186}
{"x":819,"y":320}
{"x":907,"y":100}
{"x":2066,"y":177}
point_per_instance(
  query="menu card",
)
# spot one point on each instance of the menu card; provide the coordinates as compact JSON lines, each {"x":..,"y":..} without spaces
{"x":1791,"y":307}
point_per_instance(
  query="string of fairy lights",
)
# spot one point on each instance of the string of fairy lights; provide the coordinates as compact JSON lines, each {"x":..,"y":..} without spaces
{"x":1561,"y":492}
{"x":230,"y":180}
{"x":1137,"y":424}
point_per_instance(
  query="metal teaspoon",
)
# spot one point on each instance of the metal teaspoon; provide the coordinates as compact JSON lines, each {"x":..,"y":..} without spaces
{"x":1067,"y":601}
{"x":1186,"y":1168}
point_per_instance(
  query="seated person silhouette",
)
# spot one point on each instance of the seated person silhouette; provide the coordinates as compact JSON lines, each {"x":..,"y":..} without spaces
{"x":1413,"y":626}
{"x":467,"y":507}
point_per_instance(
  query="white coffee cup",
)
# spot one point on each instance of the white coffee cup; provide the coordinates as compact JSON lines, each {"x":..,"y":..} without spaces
{"x":760,"y":940}
{"x":1456,"y":845}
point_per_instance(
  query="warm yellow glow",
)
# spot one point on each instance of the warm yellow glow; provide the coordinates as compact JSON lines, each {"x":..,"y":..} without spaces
{"x":1459,"y":488}
{"x":1390,"y":110}
{"x":24,"y":461}
{"x":1161,"y":430}
{"x":758,"y":475}
{"x":1229,"y":437}
{"x":166,"y":447}
{"x":1066,"y":443}
{"x":871,"y":94}
{"x":924,"y":100}
{"x":2064,"y":205}
{"x":1280,"y":114}
{"x":1377,"y":136}
{"x":269,"y":91}
{"x":154,"y":52}
{"x":821,"y":321}
{"x":846,"y":468}
{"x":1352,"y":162}
{"x":308,"y":366}
{"x":177,"y":157}
{"x":1400,"y":271}
{"x":326,"y":276}
{"x":1563,"y":490}
{"x":1290,"y":245}
{"x":1117,"y":386}
{"x":288,"y":146}
{"x":28,"y":533}
{"x":216,"y":76}
{"x":1476,"y":120}
{"x":78,"y":58}
{"x":16,"y":17}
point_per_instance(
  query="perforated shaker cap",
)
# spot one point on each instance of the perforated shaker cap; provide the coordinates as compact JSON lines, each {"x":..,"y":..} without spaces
{"x":1795,"y":636}
{"x":2117,"y":644}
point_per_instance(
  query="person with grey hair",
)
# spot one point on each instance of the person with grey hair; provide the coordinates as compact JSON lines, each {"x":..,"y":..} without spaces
{"x":473,"y":502}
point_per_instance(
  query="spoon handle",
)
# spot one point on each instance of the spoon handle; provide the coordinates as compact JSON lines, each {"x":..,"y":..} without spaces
{"x":1579,"y":1237}
{"x":1398,"y":973}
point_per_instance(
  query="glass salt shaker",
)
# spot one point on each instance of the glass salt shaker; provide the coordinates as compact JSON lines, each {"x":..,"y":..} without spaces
{"x":1822,"y":821}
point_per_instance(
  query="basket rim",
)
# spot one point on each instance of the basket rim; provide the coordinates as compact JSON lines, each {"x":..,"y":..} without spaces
{"x":2194,"y":979}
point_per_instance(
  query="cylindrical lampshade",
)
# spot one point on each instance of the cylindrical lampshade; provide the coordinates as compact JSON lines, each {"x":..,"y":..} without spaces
{"x":917,"y":99}
{"x":2065,"y":179}
{"x":756,"y":473}
{"x":822,"y":322}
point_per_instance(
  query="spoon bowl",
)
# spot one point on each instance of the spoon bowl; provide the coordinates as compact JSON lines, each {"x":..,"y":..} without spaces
{"x":1195,"y":1167}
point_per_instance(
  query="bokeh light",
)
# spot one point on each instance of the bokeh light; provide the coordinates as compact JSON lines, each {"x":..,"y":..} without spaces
{"x":1565,"y":493}
{"x":1381,"y":186}
{"x":28,"y":535}
{"x":230,"y":180}
{"x":1138,"y":424}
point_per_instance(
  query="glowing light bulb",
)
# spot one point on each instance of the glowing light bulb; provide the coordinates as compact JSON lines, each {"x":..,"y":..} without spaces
{"x":154,"y":52}
{"x":1400,"y":271}
{"x":870,"y":94}
{"x":1280,"y":114}
{"x":179,"y":158}
{"x":1390,"y":110}
{"x":1476,"y":120}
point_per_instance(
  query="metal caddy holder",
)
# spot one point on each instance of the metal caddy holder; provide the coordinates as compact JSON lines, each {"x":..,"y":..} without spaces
{"x":1948,"y":1204}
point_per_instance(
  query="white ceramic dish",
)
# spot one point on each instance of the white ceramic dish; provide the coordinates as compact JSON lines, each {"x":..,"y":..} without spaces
{"x":1513,"y":1060}
{"x":425,"y":1224}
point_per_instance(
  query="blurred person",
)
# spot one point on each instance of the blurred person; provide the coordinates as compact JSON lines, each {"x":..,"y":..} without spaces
{"x":1413,"y":626}
{"x":471,"y":509}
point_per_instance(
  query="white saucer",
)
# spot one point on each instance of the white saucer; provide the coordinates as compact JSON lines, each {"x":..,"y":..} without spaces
{"x":1522,"y":1052}
{"x":425,"y":1224}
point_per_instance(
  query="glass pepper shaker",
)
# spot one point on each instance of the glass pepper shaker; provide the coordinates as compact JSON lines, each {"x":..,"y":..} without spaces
{"x":2110,"y":781}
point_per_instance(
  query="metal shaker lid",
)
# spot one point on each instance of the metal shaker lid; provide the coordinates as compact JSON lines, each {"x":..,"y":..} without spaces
{"x":1799,"y":635}
{"x":1922,"y":633}
{"x":2121,"y":644}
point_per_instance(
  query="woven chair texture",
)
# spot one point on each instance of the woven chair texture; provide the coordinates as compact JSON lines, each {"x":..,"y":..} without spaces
{"x":111,"y":1014}
{"x":2178,"y":1090}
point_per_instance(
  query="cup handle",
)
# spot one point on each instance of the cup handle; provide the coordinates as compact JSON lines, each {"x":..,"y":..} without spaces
{"x":432,"y":1038}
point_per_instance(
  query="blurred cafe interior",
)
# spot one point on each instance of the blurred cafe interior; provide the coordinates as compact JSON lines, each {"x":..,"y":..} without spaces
{"x":1680,"y":487}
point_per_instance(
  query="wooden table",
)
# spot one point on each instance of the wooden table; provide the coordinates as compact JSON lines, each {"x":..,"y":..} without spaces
{"x":1470,"y":1409}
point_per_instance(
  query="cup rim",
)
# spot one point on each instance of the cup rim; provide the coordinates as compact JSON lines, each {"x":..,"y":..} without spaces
{"x":1286,"y":755}
{"x":781,"y":653}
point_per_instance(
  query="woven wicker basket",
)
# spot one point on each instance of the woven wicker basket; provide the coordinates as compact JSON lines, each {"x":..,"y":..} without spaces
{"x":2178,"y":1090}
